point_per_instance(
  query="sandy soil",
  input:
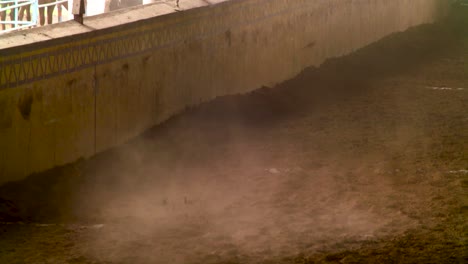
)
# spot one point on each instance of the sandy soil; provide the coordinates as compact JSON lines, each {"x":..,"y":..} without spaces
{"x":364,"y":160}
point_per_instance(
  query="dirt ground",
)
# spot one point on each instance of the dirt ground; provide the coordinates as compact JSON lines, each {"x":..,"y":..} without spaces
{"x":363,"y":160}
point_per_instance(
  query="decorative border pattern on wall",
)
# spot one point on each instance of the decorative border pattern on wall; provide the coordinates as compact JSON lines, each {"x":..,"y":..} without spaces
{"x":68,"y":59}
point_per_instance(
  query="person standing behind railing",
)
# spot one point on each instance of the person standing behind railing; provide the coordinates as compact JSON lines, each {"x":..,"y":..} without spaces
{"x":24,"y":9}
{"x":59,"y":9}
{"x":50,"y":11}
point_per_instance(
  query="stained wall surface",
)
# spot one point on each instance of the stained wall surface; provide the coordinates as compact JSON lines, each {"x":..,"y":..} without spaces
{"x":69,"y":91}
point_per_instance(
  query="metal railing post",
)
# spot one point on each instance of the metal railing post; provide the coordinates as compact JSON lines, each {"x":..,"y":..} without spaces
{"x":16,"y":10}
{"x":35,"y":10}
{"x":78,"y":10}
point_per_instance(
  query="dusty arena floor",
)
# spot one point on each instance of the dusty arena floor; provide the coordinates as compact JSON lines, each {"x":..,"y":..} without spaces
{"x":364,"y":160}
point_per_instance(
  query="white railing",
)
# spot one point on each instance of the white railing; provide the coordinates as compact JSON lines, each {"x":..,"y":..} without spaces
{"x":15,"y":7}
{"x":10,"y":13}
{"x":13,"y":11}
{"x":54,"y":3}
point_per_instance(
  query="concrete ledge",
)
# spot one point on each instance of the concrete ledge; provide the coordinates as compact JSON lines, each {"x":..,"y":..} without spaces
{"x":69,"y":91}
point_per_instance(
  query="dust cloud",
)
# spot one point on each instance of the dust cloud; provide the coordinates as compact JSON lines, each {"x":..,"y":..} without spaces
{"x":246,"y":200}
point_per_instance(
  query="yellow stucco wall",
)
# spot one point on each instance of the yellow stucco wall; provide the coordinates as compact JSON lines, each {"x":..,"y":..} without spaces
{"x":83,"y":90}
